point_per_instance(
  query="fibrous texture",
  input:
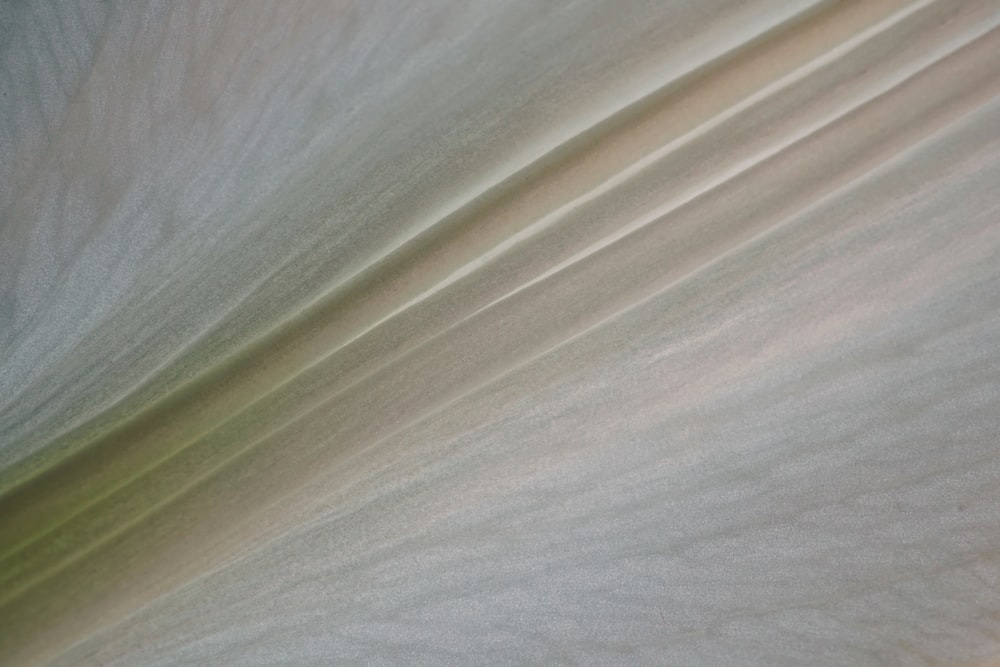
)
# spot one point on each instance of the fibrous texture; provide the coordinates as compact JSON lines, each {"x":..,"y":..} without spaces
{"x":520,"y":332}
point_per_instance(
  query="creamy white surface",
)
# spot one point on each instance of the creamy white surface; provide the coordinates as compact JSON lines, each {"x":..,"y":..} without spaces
{"x":500,"y":333}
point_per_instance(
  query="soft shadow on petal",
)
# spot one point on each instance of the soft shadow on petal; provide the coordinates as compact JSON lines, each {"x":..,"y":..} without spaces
{"x":499,"y":333}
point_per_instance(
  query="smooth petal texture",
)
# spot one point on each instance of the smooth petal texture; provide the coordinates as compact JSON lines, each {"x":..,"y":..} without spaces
{"x":500,"y":333}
